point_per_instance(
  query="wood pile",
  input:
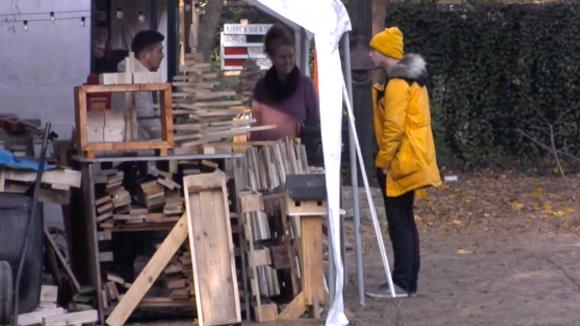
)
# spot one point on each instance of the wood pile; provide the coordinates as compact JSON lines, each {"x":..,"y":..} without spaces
{"x":266,"y":166}
{"x":204,"y":114}
{"x":177,"y":278}
{"x":158,"y":200}
{"x":56,"y":183}
{"x":49,"y":314}
{"x":143,"y":197}
{"x":173,"y":288}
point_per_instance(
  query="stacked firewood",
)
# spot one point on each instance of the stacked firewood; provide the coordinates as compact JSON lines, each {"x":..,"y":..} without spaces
{"x":207,"y":116}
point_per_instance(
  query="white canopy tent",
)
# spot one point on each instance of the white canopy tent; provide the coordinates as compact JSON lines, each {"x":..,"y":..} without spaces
{"x":326,"y":21}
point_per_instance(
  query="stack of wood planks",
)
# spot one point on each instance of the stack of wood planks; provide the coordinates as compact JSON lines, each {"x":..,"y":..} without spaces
{"x":266,"y":166}
{"x":158,"y":199}
{"x":177,"y":278}
{"x":49,"y":314}
{"x":173,"y":288}
{"x":56,"y":183}
{"x":205,"y":116}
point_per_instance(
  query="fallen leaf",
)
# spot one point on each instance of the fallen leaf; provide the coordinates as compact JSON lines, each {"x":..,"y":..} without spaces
{"x":470,"y":315}
{"x":559,"y":213}
{"x":517,"y":206}
{"x":463,"y":252}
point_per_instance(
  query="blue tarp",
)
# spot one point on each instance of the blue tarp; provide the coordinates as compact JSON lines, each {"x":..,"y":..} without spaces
{"x":8,"y":159}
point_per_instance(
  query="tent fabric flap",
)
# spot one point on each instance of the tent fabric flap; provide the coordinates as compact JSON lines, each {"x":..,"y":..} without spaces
{"x":327,"y":21}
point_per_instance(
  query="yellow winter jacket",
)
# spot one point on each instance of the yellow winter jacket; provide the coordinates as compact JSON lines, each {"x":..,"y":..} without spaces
{"x":402,"y":123}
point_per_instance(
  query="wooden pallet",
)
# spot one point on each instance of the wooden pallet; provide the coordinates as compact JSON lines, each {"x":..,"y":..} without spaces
{"x":212,"y":252}
{"x":90,"y":149}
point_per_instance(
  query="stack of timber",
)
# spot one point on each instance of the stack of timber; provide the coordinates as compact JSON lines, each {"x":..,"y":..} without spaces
{"x":173,"y":289}
{"x":207,"y":118}
{"x":157,"y":200}
{"x":56,"y":183}
{"x":266,"y":167}
{"x":176,"y":281}
{"x":49,"y":313}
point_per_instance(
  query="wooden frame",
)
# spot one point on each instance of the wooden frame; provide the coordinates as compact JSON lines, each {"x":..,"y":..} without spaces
{"x":211,"y":246}
{"x":89,"y":149}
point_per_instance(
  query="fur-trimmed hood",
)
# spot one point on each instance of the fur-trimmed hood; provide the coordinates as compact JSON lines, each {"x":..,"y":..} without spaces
{"x":412,"y":68}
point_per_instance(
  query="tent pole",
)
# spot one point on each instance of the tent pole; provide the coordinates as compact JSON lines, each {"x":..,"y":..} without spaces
{"x":354,"y":178}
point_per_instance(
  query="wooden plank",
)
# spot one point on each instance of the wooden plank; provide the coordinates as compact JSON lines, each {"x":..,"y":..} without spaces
{"x":74,"y":318}
{"x":66,"y":177}
{"x":126,"y":146}
{"x":295,"y":309}
{"x":35,"y":317}
{"x":48,"y":293}
{"x":267,"y":312}
{"x":211,"y":246}
{"x":151,"y":87}
{"x":260,"y":257}
{"x":104,"y":236}
{"x":106,"y":256}
{"x":81,"y":117}
{"x":251,"y":202}
{"x":312,"y":260}
{"x":149,"y":274}
{"x":62,"y":261}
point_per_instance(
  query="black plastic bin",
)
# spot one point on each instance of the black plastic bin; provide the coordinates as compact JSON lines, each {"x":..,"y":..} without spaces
{"x":14,"y":213}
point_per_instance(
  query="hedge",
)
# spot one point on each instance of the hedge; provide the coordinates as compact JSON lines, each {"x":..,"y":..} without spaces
{"x":497,"y":72}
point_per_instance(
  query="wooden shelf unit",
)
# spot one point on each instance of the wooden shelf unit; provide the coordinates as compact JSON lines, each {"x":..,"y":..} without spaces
{"x":81,"y":117}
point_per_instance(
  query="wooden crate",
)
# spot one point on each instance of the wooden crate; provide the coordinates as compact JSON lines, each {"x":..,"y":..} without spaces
{"x":89,"y":149}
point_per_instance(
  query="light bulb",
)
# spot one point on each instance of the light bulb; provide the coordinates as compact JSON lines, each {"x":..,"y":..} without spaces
{"x":141,"y":17}
{"x":25,"y":25}
{"x":52,"y":18}
{"x":119,"y":13}
{"x":83,"y":21}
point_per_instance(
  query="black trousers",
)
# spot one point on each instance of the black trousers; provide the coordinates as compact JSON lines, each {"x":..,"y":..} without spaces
{"x":404,"y":237}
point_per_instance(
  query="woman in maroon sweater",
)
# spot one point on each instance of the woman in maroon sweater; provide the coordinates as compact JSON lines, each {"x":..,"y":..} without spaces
{"x":284,"y":97}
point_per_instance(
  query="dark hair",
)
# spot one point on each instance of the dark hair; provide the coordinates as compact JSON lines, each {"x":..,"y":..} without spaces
{"x":144,"y":40}
{"x":277,"y":36}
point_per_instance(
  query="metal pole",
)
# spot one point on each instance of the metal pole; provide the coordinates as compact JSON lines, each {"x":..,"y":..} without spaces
{"x":354,"y":179}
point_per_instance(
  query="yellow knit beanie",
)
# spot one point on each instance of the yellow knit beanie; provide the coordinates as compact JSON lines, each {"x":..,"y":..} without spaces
{"x":389,"y":43}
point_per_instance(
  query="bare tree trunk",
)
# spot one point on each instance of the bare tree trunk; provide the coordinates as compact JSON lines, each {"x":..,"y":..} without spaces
{"x":379,"y":15}
{"x":378,"y":24}
{"x":208,"y":26}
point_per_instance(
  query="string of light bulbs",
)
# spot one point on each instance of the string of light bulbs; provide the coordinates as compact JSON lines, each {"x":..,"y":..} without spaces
{"x":199,"y":7}
{"x":197,"y":4}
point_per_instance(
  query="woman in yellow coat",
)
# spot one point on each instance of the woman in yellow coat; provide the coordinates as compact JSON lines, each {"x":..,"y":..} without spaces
{"x":406,"y":158}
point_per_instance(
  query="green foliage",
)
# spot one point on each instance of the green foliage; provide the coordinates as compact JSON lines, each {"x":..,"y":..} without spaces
{"x":497,"y":70}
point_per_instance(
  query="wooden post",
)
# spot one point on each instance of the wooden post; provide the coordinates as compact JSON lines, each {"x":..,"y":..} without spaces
{"x":312,"y":258}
